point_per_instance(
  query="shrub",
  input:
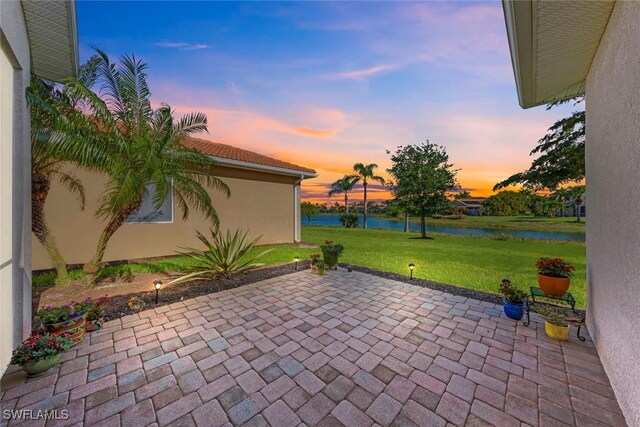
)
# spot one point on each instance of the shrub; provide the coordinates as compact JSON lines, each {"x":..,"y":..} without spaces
{"x":349,"y":220}
{"x":554,"y":267}
{"x":331,"y":249}
{"x":225,"y":254}
{"x":511,"y":293}
{"x":97,"y":310}
{"x":39,"y":346}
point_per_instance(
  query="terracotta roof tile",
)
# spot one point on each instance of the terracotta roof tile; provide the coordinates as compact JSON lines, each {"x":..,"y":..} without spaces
{"x":225,"y":151}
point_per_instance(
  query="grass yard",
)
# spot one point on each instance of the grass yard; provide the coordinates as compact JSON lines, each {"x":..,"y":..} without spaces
{"x":472,"y":262}
{"x":521,"y":222}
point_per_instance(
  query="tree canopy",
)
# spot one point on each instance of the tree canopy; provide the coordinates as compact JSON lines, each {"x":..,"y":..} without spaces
{"x":309,"y":210}
{"x":506,"y":203}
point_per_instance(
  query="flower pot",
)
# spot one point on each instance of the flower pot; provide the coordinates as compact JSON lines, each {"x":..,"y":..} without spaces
{"x":93,"y":325}
{"x":554,"y":286}
{"x":321,"y":272}
{"x":73,"y":326}
{"x":331,"y":260}
{"x":556,"y":332}
{"x":37,"y":367}
{"x":513,"y":310}
{"x":314,"y":267}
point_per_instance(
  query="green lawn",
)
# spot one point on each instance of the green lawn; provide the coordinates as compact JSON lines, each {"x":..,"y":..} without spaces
{"x":472,"y":262}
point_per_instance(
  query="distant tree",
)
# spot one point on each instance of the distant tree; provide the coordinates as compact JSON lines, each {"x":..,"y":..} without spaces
{"x":365,"y":174}
{"x":394,"y":211}
{"x":309,"y":210}
{"x":343,"y":186}
{"x":422,"y":175}
{"x":462,"y":195}
{"x":560,"y":154}
{"x":349,"y":220}
{"x":545,"y":206}
{"x":573,"y":194}
{"x":506,"y":203}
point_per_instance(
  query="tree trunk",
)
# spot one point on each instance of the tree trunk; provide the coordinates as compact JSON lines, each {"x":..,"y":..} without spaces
{"x":92,"y":267}
{"x":346,"y":203}
{"x":364,"y":224}
{"x":578,"y":207}
{"x":406,"y":222}
{"x":423,"y":227}
{"x":40,"y":186}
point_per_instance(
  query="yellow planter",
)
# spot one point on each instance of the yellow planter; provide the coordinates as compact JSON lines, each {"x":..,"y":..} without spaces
{"x":556,"y":332}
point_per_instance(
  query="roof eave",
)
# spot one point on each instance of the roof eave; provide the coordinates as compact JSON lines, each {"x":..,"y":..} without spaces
{"x":263,"y":168}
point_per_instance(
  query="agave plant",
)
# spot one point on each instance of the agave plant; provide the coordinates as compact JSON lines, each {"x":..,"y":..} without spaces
{"x":224,"y":254}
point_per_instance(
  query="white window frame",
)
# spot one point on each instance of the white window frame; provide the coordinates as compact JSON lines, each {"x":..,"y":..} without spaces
{"x":171,"y":221}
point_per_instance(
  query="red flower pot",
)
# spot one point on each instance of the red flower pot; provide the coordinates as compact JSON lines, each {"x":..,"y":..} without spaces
{"x":554,"y":286}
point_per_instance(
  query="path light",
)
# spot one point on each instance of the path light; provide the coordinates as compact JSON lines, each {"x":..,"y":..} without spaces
{"x":296,"y":259}
{"x":411,"y":267}
{"x":157,"y":284}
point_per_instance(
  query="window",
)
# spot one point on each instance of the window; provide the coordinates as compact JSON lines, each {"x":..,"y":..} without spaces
{"x":146,"y":214}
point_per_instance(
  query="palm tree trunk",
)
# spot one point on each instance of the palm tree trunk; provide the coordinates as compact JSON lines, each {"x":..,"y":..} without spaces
{"x":423,"y":227}
{"x":92,"y":267}
{"x":364,"y":224}
{"x":578,"y":207}
{"x":40,"y":186}
{"x":406,"y":222}
{"x":346,"y":203}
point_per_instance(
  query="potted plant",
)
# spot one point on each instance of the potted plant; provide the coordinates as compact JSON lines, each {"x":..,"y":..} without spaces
{"x":554,"y":276}
{"x":69,"y":319}
{"x":555,"y":322}
{"x":95,"y":314}
{"x":321,"y":266}
{"x":40,"y":352}
{"x":331,"y":251}
{"x":514,"y":299}
{"x":314,"y":261}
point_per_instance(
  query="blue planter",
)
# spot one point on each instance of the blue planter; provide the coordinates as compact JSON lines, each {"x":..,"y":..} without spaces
{"x":512,"y":310}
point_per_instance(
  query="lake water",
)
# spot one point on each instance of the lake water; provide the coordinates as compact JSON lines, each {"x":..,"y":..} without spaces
{"x":377,"y":222}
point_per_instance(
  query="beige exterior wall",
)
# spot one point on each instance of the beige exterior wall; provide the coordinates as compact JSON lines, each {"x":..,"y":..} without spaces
{"x":261,"y":203}
{"x":613,"y":229}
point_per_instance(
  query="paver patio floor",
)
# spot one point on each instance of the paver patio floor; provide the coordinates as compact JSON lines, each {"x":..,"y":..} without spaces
{"x":344,"y":349}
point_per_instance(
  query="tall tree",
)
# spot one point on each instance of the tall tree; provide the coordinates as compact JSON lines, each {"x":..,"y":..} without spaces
{"x":560,"y":154}
{"x":422,"y":176}
{"x":573,"y":194}
{"x":365,"y":174}
{"x":309,"y":210}
{"x":145,"y":148}
{"x":60,"y":135}
{"x":343,"y":186}
{"x":462,"y":195}
{"x":507,"y":203}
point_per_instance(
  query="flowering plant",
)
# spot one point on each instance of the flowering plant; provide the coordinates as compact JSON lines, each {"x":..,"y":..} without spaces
{"x":511,"y":293}
{"x":315,"y":258}
{"x":331,"y":249}
{"x":96,"y":310}
{"x":554,"y":267}
{"x":51,"y":314}
{"x":40,"y":346}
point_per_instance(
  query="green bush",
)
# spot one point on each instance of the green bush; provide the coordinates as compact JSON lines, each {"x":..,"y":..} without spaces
{"x":349,"y":220}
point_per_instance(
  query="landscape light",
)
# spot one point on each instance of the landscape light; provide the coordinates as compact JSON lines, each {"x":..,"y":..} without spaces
{"x":296,"y":259}
{"x":411,"y":267}
{"x":157,"y":284}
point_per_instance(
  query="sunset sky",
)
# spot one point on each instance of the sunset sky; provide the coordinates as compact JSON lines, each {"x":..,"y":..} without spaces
{"x":326,"y":85}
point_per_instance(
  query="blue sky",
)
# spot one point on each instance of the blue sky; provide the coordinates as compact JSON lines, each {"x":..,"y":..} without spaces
{"x":329,"y":84}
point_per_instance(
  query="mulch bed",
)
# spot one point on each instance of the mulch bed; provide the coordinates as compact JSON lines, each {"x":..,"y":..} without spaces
{"x":118,"y":307}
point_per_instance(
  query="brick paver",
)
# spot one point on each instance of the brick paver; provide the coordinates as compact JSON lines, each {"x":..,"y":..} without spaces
{"x":344,"y":349}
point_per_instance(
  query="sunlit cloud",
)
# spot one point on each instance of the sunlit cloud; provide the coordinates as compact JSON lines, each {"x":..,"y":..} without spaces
{"x":183,"y":45}
{"x":362,"y":73}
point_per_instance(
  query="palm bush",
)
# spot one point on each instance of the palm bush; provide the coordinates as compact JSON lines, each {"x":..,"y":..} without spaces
{"x":224,"y":254}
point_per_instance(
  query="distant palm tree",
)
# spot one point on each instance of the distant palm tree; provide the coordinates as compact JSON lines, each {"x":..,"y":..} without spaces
{"x":343,"y":186}
{"x":365,"y":173}
{"x":145,"y":147}
{"x":573,"y":194}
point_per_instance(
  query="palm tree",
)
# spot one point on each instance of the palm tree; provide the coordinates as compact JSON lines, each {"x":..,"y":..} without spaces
{"x":145,"y":148}
{"x":60,"y":134}
{"x":365,"y":173}
{"x":574,"y":194}
{"x":343,"y":186}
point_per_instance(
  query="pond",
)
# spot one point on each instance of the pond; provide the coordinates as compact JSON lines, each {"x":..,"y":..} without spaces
{"x":377,"y":222}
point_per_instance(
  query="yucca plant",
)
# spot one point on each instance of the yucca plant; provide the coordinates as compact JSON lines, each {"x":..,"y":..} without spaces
{"x":224,"y":254}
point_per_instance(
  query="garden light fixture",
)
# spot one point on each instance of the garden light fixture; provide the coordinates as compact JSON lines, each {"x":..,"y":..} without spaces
{"x":411,"y":267}
{"x":157,"y":284}
{"x":296,"y":259}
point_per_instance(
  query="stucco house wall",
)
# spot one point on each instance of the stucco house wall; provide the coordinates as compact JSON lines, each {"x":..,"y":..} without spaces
{"x":613,"y":228}
{"x":15,"y":199}
{"x":262,"y":203}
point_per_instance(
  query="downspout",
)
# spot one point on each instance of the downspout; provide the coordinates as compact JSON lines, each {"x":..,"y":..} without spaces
{"x":297,"y":215}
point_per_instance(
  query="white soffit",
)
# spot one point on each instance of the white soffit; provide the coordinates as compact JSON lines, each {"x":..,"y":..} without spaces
{"x":552,"y":45}
{"x":53,"y":38}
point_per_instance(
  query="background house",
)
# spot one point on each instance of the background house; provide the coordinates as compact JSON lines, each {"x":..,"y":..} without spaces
{"x":265,"y":200}
{"x":561,"y":49}
{"x":37,"y":37}
{"x":471,"y":206}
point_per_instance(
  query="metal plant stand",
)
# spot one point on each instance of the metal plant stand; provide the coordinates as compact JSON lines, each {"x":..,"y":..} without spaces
{"x":566,"y":299}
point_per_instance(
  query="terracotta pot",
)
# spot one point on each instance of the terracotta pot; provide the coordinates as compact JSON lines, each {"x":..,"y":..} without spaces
{"x":331,"y":260}
{"x":556,"y":332}
{"x":554,"y":286}
{"x":34,"y":368}
{"x":73,"y":326}
{"x":93,"y":325}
